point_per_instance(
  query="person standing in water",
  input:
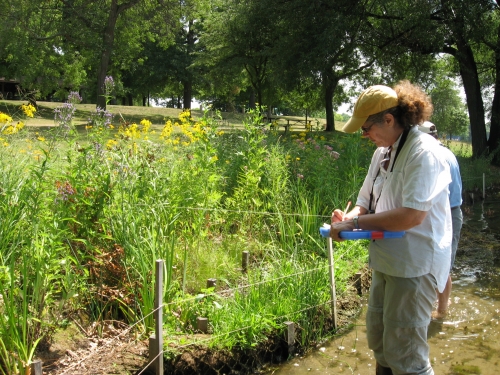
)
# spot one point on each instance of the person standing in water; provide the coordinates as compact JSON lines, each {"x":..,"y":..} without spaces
{"x":456,"y":215}
{"x":406,"y":189}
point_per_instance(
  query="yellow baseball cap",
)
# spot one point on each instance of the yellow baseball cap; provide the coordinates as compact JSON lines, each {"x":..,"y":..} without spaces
{"x":373,"y":100}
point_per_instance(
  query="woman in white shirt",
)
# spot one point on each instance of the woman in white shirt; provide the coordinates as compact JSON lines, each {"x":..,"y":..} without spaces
{"x":406,"y":189}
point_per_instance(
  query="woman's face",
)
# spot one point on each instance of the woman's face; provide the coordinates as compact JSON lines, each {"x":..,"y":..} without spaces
{"x":384,"y":133}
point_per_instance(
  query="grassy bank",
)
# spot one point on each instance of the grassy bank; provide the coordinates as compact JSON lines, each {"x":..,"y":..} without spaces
{"x":157,"y":115}
{"x":85,"y":215}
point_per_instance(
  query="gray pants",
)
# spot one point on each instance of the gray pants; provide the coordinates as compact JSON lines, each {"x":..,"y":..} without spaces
{"x":398,"y":315}
{"x":457,"y":221}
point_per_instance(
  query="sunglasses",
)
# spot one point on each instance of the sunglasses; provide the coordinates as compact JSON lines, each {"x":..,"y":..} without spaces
{"x":366,"y":130}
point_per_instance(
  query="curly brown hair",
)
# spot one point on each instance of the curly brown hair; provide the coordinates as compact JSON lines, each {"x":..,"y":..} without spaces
{"x":414,"y":106}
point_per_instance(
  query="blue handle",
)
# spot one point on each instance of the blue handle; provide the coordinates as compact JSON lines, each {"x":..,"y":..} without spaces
{"x":361,"y":234}
{"x":325,"y":231}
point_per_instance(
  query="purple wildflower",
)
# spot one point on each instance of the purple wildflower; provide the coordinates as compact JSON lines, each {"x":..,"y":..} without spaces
{"x":334,"y":154}
{"x":109,"y":85}
{"x":65,"y":190}
{"x":63,"y":116}
{"x":101,"y":118}
{"x":74,"y":97}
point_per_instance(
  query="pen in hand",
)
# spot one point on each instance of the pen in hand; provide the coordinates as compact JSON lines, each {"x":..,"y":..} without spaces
{"x":345,"y":211}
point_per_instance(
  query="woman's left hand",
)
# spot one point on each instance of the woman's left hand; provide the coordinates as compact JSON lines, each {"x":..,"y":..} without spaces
{"x":338,"y":226}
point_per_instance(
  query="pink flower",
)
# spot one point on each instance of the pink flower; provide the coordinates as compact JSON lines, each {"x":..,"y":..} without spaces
{"x":335,"y":154}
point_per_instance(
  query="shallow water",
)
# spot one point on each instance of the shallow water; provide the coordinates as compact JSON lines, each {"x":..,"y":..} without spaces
{"x":465,"y":342}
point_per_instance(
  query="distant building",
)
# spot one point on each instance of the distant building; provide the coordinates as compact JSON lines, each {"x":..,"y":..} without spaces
{"x":8,"y":88}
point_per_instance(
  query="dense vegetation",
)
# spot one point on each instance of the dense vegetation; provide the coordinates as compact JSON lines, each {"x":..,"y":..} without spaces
{"x":87,"y":211}
{"x":291,"y":57}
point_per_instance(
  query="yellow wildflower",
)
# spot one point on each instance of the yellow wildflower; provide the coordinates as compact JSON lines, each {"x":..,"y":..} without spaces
{"x":28,"y":109}
{"x":146,"y":124}
{"x":111,"y":144}
{"x":9,"y":130}
{"x":5,"y":118}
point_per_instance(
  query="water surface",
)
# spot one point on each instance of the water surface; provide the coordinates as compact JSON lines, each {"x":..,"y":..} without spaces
{"x":465,"y":342}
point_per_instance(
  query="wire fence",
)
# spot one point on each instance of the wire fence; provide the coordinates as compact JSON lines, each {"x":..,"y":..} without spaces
{"x":79,"y":366}
{"x":196,"y":342}
{"x":117,"y":341}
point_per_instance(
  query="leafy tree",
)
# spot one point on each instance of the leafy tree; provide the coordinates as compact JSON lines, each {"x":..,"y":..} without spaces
{"x":449,"y":112}
{"x":491,"y":41}
{"x":454,"y":27}
{"x":30,"y":48}
{"x":56,"y":38}
{"x":324,"y":41}
{"x":104,"y":23}
{"x":238,"y":37}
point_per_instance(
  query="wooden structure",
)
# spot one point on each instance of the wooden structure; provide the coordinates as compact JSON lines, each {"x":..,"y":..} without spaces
{"x":8,"y":88}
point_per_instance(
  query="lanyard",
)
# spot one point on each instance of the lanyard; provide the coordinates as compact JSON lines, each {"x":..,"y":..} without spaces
{"x":387,"y":155}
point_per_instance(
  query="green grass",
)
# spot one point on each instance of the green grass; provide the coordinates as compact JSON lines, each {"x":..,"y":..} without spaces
{"x":157,"y":115}
{"x":86,"y":215}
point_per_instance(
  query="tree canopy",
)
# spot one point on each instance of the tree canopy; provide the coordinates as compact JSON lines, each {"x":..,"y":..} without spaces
{"x":298,"y":55}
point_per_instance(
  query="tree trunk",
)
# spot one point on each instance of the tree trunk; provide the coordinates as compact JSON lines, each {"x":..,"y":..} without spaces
{"x":470,"y":79}
{"x":107,"y":48}
{"x":494,"y":138}
{"x":330,"y":85}
{"x":188,"y":83}
{"x":108,"y":39}
{"x":188,"y":94}
{"x":251,"y":100}
{"x":259,"y":97}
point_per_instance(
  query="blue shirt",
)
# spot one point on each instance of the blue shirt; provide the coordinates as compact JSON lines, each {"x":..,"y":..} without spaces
{"x":456,"y":180}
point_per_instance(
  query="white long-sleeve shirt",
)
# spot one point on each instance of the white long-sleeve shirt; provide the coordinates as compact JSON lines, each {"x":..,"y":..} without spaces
{"x":419,"y":180}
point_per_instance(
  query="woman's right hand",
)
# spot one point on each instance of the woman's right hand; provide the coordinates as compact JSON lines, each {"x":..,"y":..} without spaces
{"x":337,"y":216}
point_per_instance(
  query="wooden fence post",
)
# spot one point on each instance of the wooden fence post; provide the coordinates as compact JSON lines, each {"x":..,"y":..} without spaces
{"x":333,"y":295}
{"x":211,"y":283}
{"x":290,"y":337}
{"x":202,"y":324}
{"x":156,"y":340}
{"x":244,"y":260}
{"x":36,"y":367}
